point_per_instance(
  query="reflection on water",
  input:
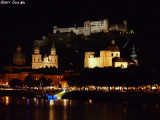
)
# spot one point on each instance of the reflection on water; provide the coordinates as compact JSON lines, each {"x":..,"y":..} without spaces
{"x":64,"y":109}
{"x":51,"y":102}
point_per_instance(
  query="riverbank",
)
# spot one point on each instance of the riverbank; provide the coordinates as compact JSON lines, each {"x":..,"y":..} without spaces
{"x":113,"y":96}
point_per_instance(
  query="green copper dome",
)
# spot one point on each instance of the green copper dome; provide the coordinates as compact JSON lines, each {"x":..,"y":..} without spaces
{"x":53,"y":47}
{"x":19,"y":55}
{"x":36,"y":48}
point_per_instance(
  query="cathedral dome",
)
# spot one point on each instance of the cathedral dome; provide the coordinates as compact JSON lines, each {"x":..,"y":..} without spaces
{"x":36,"y":48}
{"x":19,"y":57}
{"x":113,"y":47}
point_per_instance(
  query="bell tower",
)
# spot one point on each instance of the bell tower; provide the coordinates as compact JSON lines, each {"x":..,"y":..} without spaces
{"x":53,"y":58}
{"x":36,"y":58}
{"x":134,"y":55}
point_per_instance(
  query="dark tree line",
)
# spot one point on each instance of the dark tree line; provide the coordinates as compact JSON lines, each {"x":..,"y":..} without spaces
{"x":31,"y":82}
{"x":130,"y":77}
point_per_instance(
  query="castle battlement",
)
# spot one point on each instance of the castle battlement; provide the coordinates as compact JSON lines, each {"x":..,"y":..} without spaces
{"x":93,"y":27}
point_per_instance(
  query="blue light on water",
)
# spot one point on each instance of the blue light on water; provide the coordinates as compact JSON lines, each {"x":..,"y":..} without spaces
{"x":49,"y":97}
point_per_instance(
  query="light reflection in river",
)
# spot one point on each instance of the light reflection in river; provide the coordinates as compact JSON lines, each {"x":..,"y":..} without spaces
{"x":51,"y":102}
{"x":7,"y":100}
{"x":64,"y":109}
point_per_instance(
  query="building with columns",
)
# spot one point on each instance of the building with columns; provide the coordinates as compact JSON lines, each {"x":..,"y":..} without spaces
{"x":47,"y":61}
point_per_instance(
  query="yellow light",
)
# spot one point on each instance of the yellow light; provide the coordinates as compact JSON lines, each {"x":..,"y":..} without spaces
{"x":90,"y":101}
{"x":51,"y":102}
{"x":65,"y":102}
{"x":7,"y":100}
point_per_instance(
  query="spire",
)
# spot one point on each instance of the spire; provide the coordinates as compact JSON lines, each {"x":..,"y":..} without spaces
{"x":36,"y":50}
{"x":133,"y":54}
{"x":113,"y":42}
{"x":53,"y":47}
{"x":19,"y":47}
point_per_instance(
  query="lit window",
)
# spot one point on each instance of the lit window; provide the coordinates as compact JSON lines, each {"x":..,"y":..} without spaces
{"x":117,"y":54}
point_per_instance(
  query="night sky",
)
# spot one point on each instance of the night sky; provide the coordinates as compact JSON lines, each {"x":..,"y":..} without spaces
{"x":26,"y":23}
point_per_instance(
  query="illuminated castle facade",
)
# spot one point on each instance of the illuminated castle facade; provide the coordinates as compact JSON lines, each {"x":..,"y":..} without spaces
{"x":107,"y":58}
{"x":48,"y":61}
{"x":93,"y":27}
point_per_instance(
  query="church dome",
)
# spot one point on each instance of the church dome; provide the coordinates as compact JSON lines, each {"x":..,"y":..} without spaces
{"x":36,"y":48}
{"x":19,"y":57}
{"x":113,"y":47}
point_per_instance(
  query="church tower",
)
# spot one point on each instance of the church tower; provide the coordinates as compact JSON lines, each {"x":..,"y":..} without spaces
{"x":134,"y":55}
{"x":115,"y":51}
{"x":53,"y":58}
{"x":36,"y":59}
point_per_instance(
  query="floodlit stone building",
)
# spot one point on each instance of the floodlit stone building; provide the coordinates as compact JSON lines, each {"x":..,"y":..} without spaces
{"x":48,"y":61}
{"x":107,"y":58}
{"x":93,"y":27}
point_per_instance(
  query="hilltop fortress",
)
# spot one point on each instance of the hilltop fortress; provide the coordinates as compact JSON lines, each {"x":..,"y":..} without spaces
{"x":93,"y":27}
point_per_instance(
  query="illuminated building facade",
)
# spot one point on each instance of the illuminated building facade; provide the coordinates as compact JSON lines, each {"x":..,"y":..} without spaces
{"x":48,"y":61}
{"x":93,"y":27}
{"x":107,"y":58}
{"x":57,"y":79}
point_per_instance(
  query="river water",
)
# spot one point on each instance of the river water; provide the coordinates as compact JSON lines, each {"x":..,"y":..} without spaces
{"x":63,"y":109}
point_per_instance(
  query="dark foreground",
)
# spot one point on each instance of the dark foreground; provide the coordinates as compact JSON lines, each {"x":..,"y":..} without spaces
{"x":93,"y":95}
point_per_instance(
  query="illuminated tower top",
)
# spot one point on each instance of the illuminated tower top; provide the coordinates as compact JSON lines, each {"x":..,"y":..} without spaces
{"x":36,"y":50}
{"x":113,"y":47}
{"x":133,"y":54}
{"x":53,"y":49}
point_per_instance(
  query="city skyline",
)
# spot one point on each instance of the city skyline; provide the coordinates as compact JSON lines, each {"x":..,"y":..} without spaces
{"x":29,"y":22}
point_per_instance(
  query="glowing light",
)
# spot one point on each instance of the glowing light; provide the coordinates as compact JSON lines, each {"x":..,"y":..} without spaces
{"x":131,"y":31}
{"x":34,"y":99}
{"x":153,"y":88}
{"x":65,"y":102}
{"x":7,"y":100}
{"x":37,"y":101}
{"x":90,"y":101}
{"x":51,"y":102}
{"x":27,"y":101}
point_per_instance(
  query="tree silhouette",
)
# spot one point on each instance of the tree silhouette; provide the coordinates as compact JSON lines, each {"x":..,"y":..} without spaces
{"x":16,"y":83}
{"x":30,"y":81}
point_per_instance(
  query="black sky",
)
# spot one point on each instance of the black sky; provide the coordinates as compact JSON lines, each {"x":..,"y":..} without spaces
{"x":28,"y":22}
